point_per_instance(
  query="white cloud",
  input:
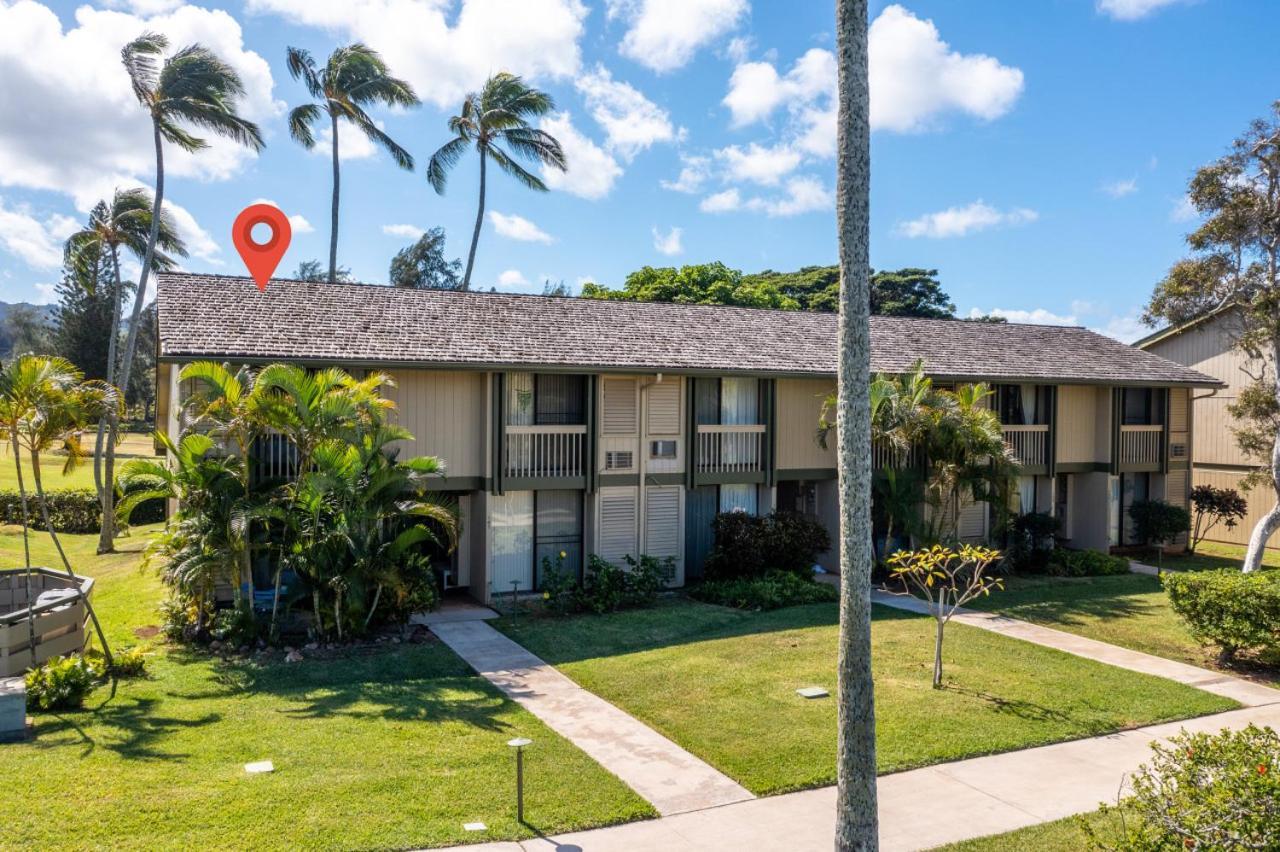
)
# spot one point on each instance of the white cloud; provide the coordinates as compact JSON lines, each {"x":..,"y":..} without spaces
{"x":409,"y":232}
{"x":1120,"y":188}
{"x":631,"y":121}
{"x":297,"y":222}
{"x":47,"y":294}
{"x":36,"y":242}
{"x":1132,"y":10}
{"x":802,"y":194}
{"x":1126,"y":328}
{"x":69,"y":121}
{"x":722,"y":202}
{"x":960,"y":221}
{"x":517,"y":228}
{"x":1037,"y":316}
{"x":663,"y":35}
{"x":198,"y":240}
{"x":1183,"y":211}
{"x":758,"y":163}
{"x":916,"y":76}
{"x":534,"y":38}
{"x":694,"y":173}
{"x":668,"y":243}
{"x":756,"y":89}
{"x":592,"y":171}
{"x":512,"y":278}
{"x":352,"y":143}
{"x":145,"y":7}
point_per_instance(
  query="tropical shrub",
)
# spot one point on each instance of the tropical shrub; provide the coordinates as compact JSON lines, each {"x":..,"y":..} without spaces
{"x":1031,"y":541}
{"x":1085,"y":563}
{"x":1157,"y":523}
{"x":559,"y":585}
{"x":128,"y":663}
{"x":605,"y":587}
{"x":62,"y":683}
{"x":947,"y":579}
{"x":752,"y":546}
{"x":772,"y":591}
{"x":1233,"y":610}
{"x":1200,"y":791}
{"x":73,"y":512}
{"x":1212,"y":506}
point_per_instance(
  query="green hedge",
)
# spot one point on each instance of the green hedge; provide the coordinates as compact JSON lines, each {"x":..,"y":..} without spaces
{"x":772,"y":591}
{"x":1086,"y":563}
{"x":1228,"y":608}
{"x":72,"y":512}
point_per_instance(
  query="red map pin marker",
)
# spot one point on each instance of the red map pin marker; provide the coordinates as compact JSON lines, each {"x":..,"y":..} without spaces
{"x":261,"y":258}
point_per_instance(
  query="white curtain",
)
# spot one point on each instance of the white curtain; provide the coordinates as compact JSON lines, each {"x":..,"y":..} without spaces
{"x":512,"y":557}
{"x":739,"y":498}
{"x":1026,"y":494}
{"x":739,"y":401}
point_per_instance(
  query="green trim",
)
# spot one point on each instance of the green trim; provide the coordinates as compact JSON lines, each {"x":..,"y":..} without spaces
{"x":664,"y":479}
{"x":806,"y":473}
{"x":743,"y":478}
{"x":1117,"y":412}
{"x":591,"y":461}
{"x":1178,"y":464}
{"x":1053,"y":432}
{"x":537,"y":483}
{"x":458,"y":483}
{"x":1164,"y":432}
{"x":691,"y":432}
{"x":615,"y":480}
{"x":1034,"y":470}
{"x":1083,"y":467}
{"x":1148,"y":467}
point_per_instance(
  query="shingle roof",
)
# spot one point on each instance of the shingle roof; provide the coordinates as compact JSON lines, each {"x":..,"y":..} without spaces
{"x":226,"y":317}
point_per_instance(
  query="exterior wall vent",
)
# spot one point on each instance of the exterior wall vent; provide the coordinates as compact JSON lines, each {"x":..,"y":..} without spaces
{"x":619,"y":460}
{"x":1177,"y":451}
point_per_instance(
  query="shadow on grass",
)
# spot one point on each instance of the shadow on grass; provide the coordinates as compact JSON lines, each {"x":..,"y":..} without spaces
{"x":674,"y":621}
{"x":131,"y":728}
{"x":1074,"y":601}
{"x":1012,"y":706}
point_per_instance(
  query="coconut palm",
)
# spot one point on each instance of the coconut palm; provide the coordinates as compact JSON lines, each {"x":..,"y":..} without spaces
{"x":193,"y":87}
{"x":856,"y":819}
{"x":46,"y":403}
{"x":125,"y":223}
{"x":353,"y":78}
{"x":497,"y":116}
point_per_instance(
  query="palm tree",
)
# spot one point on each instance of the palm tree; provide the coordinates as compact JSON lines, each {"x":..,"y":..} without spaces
{"x":857,"y":826}
{"x":498,"y":115}
{"x":124,"y":223}
{"x":46,"y":403}
{"x":191,"y":87}
{"x":354,"y":77}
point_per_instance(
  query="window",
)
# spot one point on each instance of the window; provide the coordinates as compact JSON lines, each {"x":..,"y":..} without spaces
{"x":662,"y":449}
{"x":618,"y":460}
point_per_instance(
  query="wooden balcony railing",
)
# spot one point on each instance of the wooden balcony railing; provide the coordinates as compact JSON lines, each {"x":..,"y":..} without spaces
{"x":731,"y":449}
{"x":1141,"y":444}
{"x":885,"y":456}
{"x":543,"y":452}
{"x":1030,"y":443}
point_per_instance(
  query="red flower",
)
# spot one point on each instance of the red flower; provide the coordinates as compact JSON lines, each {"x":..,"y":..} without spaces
{"x":1262,"y":769}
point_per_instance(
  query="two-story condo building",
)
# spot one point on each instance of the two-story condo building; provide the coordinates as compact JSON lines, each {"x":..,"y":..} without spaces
{"x":620,"y":428}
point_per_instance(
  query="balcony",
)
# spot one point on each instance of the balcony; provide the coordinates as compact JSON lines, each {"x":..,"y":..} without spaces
{"x":885,"y":456}
{"x":546,"y":452}
{"x":1141,"y":446}
{"x":1030,"y":444}
{"x":730,"y":449}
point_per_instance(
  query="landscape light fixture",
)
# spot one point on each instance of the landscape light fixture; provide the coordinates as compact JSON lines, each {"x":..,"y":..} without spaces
{"x":518,"y":744}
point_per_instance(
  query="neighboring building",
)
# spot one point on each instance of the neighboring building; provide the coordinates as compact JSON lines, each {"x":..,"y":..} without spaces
{"x":1207,"y":345}
{"x":622,"y":428}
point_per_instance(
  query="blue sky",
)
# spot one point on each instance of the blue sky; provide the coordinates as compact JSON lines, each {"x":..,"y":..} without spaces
{"x":1036,"y":154}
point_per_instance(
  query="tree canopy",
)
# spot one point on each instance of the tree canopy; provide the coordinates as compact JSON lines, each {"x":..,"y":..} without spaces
{"x":423,"y":266}
{"x":904,"y":292}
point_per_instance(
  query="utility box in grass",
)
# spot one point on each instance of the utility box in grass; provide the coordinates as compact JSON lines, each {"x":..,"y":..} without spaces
{"x":13,"y":709}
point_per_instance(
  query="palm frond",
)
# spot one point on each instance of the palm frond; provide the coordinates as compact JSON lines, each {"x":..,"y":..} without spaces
{"x":517,"y":171}
{"x":301,"y":120}
{"x":444,"y":159}
{"x":140,"y":61}
{"x":402,"y":157}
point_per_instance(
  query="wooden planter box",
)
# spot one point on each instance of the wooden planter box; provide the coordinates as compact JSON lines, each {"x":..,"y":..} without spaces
{"x":59,"y":625}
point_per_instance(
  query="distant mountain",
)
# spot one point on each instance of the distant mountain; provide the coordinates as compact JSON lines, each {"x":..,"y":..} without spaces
{"x":6,"y":343}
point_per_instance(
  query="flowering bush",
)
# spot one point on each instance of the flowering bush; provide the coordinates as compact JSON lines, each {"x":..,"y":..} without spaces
{"x":62,"y":683}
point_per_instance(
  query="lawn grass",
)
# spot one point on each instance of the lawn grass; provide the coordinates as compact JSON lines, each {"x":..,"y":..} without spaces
{"x":394,"y":748}
{"x":722,"y":684}
{"x":1129,"y":610}
{"x":132,"y":445}
{"x":1063,"y":835}
{"x":1212,"y":554}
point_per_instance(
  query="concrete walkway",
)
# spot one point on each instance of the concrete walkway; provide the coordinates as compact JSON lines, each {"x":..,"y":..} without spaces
{"x":919,"y":809}
{"x":1246,"y":692}
{"x":670,"y":778}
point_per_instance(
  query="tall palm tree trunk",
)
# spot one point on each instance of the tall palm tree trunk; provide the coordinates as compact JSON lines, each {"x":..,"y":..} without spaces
{"x":26,"y":539}
{"x":475,"y":236}
{"x":333,"y":218}
{"x":66,"y":563}
{"x":106,"y":541}
{"x":856,"y":818}
{"x":106,"y":500}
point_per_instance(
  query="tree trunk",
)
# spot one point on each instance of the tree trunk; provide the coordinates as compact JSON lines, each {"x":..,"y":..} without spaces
{"x":106,"y":543}
{"x":57,"y":544}
{"x":1270,"y":522}
{"x":475,"y":236}
{"x":333,"y":215}
{"x":937,"y":654}
{"x":856,"y":818}
{"x":26,"y":535}
{"x":106,"y":535}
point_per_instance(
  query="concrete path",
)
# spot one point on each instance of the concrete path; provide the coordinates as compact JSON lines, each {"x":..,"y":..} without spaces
{"x":919,"y":809}
{"x":670,"y":778}
{"x":1247,"y":692}
{"x":451,"y":610}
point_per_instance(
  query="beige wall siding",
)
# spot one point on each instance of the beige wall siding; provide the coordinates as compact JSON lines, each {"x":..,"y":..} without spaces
{"x":446,"y":412}
{"x":1078,"y":411}
{"x":1260,"y":502}
{"x":799,"y":406}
